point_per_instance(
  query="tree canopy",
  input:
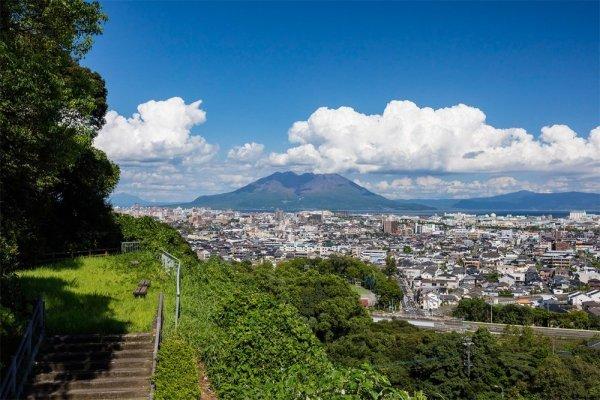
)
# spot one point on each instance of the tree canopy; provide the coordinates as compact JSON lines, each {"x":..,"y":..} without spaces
{"x":54,"y":183}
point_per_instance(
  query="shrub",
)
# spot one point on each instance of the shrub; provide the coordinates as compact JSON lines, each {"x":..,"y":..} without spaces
{"x":176,"y":374}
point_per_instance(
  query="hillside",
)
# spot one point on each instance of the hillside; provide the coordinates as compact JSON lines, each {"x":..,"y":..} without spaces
{"x":290,"y":191}
{"x":530,"y":201}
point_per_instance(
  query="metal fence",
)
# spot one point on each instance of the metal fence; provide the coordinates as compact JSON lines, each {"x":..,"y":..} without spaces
{"x":65,"y":255}
{"x":20,"y":365}
{"x":128,"y":247}
{"x":172,"y":263}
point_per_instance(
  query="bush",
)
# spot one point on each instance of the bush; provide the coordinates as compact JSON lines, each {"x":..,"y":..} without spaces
{"x":176,"y":374}
{"x":352,"y":269}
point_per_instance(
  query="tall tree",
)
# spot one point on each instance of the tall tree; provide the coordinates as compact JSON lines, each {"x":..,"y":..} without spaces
{"x":53,"y":182}
{"x":390,"y":266}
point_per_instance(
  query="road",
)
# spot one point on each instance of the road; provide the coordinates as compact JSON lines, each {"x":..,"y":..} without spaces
{"x":408,"y":300}
{"x":457,"y":325}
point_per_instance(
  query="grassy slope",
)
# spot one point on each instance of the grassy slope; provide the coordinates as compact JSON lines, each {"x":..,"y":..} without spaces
{"x":94,"y":294}
{"x":361,"y":290}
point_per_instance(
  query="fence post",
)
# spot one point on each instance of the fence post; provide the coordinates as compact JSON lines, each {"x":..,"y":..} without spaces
{"x":168,"y":262}
{"x":13,"y":375}
{"x":178,"y":293}
{"x":29,"y":350}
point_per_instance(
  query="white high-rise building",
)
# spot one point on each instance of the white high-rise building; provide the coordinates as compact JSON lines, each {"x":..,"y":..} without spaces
{"x":577,"y":215}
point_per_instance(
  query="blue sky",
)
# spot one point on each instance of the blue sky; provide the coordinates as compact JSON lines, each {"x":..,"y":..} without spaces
{"x":260,"y":67}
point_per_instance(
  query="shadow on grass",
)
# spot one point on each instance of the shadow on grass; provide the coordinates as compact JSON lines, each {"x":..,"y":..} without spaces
{"x":70,"y":312}
{"x":84,"y":338}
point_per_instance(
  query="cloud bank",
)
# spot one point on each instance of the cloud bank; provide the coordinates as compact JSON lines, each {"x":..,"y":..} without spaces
{"x":406,"y":152}
{"x":406,"y":137}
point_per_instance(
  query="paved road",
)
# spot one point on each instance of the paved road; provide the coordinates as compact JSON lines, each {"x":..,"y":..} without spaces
{"x":456,"y":325}
{"x":408,"y":300}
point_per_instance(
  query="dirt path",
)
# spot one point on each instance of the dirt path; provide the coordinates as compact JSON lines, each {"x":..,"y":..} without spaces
{"x":207,"y":392}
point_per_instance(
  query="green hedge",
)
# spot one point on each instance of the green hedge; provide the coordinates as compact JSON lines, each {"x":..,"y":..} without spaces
{"x":176,"y":374}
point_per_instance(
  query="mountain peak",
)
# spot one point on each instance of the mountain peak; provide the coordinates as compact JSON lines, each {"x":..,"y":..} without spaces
{"x":292,"y":191}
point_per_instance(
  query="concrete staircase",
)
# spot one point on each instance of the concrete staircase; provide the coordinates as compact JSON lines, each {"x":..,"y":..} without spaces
{"x":93,"y":367}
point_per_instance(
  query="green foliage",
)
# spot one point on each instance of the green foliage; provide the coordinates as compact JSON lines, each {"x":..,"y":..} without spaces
{"x":478,"y":310}
{"x":154,"y":236}
{"x":176,"y":374}
{"x":354,"y":270}
{"x":519,"y":363}
{"x":326,"y":301}
{"x":575,"y":379}
{"x":53,"y":182}
{"x":407,"y":249}
{"x":253,"y":340}
{"x":390,"y":266}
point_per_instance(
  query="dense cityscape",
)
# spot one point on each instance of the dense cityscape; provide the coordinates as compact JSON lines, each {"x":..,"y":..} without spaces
{"x":539,"y":261}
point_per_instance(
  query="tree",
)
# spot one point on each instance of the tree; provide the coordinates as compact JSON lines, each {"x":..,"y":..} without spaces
{"x":53,"y":182}
{"x":407,"y":249}
{"x":390,"y":266}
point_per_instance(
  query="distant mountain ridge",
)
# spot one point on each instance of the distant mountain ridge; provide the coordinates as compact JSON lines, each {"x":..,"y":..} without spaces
{"x":292,"y":192}
{"x":289,"y":191}
{"x":525,"y":200}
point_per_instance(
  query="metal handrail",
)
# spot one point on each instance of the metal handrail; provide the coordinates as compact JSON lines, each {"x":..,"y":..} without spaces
{"x":157,"y":339}
{"x":169,"y":257}
{"x":22,"y":360}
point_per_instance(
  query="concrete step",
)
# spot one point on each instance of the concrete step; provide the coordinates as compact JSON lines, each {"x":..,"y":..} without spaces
{"x":95,"y":383}
{"x":91,"y":374}
{"x":99,"y":338}
{"x":97,"y":346}
{"x":83,"y":356}
{"x":92,"y":365}
{"x":92,"y":394}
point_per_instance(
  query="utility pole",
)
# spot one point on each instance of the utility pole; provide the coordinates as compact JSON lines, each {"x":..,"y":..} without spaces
{"x":468,"y":343}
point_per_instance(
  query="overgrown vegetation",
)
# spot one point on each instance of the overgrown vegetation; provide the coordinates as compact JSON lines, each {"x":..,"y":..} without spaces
{"x":353,"y":270}
{"x":478,"y":310}
{"x":518,"y":365}
{"x":177,"y":370}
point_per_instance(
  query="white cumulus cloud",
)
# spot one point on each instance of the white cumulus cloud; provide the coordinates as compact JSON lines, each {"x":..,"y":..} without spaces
{"x":160,"y":130}
{"x":406,"y":137}
{"x":248,"y":152}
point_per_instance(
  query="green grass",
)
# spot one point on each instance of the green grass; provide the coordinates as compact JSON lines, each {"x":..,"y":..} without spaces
{"x":361,"y":290}
{"x":94,"y":294}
